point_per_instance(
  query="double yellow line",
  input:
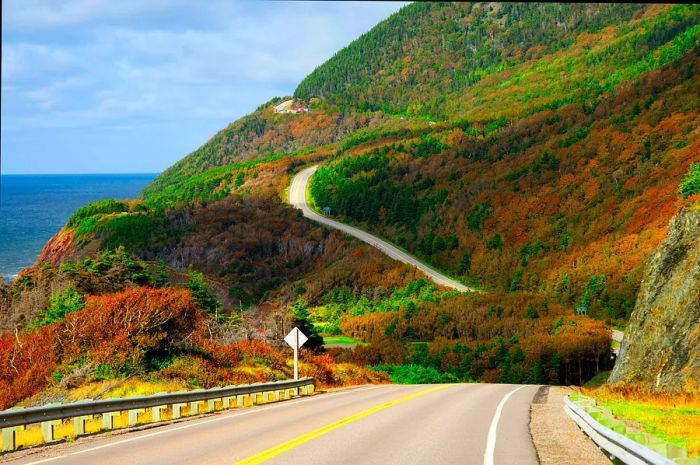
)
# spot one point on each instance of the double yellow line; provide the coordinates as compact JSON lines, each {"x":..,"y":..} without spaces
{"x":285,"y":446}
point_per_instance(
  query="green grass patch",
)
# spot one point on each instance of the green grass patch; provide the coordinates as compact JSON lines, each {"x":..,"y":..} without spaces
{"x":341,"y":340}
{"x":679,"y":426}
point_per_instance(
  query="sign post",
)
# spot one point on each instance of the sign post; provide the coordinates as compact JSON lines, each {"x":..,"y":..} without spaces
{"x":296,"y":339}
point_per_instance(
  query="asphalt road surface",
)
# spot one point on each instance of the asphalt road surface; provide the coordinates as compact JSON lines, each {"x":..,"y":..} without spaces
{"x":297,"y":198}
{"x":384,"y":425}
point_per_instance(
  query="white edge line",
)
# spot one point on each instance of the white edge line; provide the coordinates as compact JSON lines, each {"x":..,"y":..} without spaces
{"x":491,"y":441}
{"x":197,"y":423}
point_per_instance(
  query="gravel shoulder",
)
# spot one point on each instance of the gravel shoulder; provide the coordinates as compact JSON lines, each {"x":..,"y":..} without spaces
{"x":557,"y":439}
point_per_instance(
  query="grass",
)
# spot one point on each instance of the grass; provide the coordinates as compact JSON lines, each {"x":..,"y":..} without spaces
{"x":121,"y":389}
{"x":679,"y":426}
{"x":341,"y":340}
{"x":673,"y":418}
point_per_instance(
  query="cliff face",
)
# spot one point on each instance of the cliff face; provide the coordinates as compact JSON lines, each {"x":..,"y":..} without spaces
{"x":661,"y":348}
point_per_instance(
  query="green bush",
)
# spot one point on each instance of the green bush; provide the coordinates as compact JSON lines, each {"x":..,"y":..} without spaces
{"x":96,"y":208}
{"x":416,"y":374}
{"x":691,"y":182}
{"x":60,"y":304}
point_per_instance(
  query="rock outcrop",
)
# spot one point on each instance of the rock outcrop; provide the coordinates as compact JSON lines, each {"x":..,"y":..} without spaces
{"x":661,"y":348}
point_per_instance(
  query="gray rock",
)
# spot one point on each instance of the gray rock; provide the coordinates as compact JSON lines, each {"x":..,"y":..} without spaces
{"x":661,"y":348}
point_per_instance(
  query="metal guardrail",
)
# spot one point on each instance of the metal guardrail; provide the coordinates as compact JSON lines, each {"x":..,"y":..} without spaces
{"x":12,"y":419}
{"x":621,"y":447}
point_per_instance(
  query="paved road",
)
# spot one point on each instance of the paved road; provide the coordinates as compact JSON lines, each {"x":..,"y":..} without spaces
{"x":297,"y":198}
{"x":387,"y":425}
{"x":617,"y":335}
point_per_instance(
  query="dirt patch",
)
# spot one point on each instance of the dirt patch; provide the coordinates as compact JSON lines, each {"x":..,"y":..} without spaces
{"x":557,"y":439}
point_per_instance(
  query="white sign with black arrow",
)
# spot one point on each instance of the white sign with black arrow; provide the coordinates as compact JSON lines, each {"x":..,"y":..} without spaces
{"x":296,"y":339}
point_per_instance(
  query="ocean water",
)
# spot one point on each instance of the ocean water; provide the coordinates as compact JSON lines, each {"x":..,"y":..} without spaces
{"x":34,"y":207}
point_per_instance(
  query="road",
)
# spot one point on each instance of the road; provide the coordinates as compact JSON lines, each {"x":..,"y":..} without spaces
{"x":297,"y":198}
{"x":385,"y":424}
{"x":617,"y":335}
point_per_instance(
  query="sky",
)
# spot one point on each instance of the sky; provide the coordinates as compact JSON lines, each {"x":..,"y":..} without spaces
{"x":131,"y":86}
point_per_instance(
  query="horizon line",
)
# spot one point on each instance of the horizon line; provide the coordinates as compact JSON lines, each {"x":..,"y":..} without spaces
{"x":78,"y":174}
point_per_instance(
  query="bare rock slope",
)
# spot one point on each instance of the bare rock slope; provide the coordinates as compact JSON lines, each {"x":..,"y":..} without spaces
{"x":661,"y":348}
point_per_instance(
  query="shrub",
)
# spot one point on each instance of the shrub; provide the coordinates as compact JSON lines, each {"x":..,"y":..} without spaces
{"x":60,"y":304}
{"x":416,"y":374}
{"x":121,"y":330}
{"x":96,"y":208}
{"x":691,"y":182}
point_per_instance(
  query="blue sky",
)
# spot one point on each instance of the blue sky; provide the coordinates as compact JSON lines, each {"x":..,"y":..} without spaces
{"x":105,"y":86}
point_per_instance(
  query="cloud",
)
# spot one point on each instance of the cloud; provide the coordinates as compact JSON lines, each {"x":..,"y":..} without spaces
{"x":93,"y":64}
{"x":57,"y":13}
{"x":30,"y":61}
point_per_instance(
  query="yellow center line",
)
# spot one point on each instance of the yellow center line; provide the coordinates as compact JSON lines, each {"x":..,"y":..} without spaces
{"x":285,"y":446}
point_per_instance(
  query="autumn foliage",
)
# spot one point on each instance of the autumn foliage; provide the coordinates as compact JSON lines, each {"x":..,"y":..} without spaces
{"x":157,"y":333}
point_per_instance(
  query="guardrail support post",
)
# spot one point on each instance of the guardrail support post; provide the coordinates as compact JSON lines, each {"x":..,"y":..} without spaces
{"x":156,"y":412}
{"x":211,"y":405}
{"x":9,"y":438}
{"x":194,"y":407}
{"x":177,"y":410}
{"x":108,"y":420}
{"x":134,"y":416}
{"x":79,"y":425}
{"x":226,"y":402}
{"x":47,"y":428}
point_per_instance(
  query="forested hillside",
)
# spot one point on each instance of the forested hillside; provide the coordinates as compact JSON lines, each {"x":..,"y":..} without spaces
{"x":532,"y":150}
{"x":417,"y":59}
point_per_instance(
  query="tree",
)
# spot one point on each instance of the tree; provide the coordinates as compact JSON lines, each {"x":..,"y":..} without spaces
{"x":302,"y":321}
{"x":495,"y":242}
{"x":201,"y":293}
{"x":465,"y":263}
{"x":531,"y":313}
{"x":239,"y":180}
{"x":60,"y":304}
{"x":691,"y":182}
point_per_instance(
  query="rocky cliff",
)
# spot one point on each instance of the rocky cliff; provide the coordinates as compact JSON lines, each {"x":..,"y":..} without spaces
{"x":661,"y":348}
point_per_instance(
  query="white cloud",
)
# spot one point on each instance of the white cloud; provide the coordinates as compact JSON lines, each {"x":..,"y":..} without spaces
{"x":29,"y":61}
{"x":48,"y":96}
{"x":56,"y":13}
{"x":94,"y":64}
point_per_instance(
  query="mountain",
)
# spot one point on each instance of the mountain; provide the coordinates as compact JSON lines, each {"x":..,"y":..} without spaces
{"x":427,"y":53}
{"x":532,"y":150}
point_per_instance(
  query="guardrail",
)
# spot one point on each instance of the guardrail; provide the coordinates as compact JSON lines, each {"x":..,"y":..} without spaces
{"x":131,"y":411}
{"x":620,"y":447}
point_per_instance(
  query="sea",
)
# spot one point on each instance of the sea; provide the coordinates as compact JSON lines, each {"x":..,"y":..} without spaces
{"x":35,"y":207}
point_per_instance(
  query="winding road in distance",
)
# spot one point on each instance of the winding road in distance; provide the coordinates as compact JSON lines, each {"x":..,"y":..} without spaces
{"x":297,"y":198}
{"x":370,"y":425}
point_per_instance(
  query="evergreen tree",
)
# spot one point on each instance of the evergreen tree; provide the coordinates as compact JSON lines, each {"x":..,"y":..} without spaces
{"x":201,"y":293}
{"x":302,"y":321}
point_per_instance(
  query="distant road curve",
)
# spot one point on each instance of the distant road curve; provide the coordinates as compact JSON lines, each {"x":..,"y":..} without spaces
{"x":297,"y":198}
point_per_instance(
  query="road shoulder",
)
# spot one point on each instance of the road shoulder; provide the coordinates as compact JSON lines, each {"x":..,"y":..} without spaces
{"x":557,"y":439}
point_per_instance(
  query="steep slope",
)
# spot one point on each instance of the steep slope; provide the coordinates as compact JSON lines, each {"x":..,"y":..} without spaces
{"x":661,"y":349}
{"x":418,"y":58}
{"x":567,"y":202}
